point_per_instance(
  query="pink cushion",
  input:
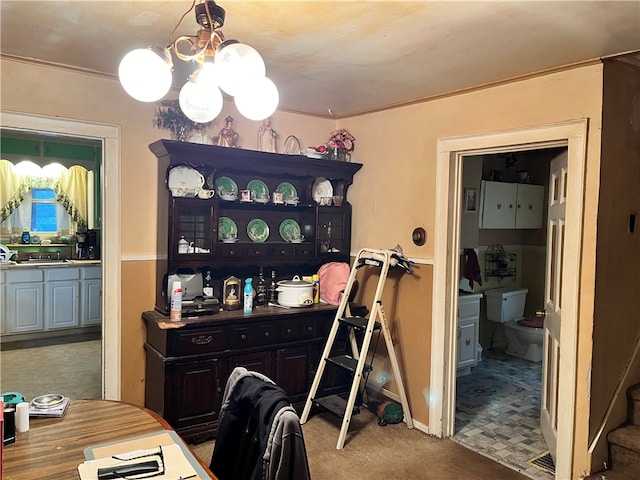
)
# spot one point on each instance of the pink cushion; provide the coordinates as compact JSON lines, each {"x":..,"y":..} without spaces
{"x":333,"y":278}
{"x":533,"y":322}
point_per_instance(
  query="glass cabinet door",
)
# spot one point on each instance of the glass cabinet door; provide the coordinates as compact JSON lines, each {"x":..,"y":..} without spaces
{"x":333,"y":232}
{"x":193,"y":232}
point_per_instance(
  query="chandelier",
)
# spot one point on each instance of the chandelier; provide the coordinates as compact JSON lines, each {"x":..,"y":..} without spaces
{"x":222,"y":65}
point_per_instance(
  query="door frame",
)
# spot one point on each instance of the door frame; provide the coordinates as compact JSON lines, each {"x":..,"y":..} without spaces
{"x":448,"y":208}
{"x":110,"y":244}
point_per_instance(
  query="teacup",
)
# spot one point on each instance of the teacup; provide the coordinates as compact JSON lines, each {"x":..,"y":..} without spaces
{"x":325,"y":201}
{"x":204,"y":193}
{"x":277,"y":197}
{"x":245,"y":195}
{"x":297,"y":239}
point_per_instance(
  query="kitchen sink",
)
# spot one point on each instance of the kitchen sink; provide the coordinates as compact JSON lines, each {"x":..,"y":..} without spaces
{"x":43,"y":261}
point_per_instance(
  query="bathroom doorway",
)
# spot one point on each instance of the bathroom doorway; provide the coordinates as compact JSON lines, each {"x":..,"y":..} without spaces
{"x":498,"y":403}
{"x":449,"y":208}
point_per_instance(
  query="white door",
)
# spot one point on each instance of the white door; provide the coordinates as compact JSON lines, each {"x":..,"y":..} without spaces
{"x":553,"y":308}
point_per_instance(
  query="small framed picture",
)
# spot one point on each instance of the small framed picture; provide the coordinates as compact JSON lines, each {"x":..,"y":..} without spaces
{"x":470,"y":200}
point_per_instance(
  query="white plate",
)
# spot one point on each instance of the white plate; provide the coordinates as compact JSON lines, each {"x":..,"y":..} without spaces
{"x":321,"y":188}
{"x":183,"y":177}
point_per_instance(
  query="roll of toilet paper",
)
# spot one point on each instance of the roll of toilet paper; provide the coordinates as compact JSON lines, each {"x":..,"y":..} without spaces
{"x":22,"y":417}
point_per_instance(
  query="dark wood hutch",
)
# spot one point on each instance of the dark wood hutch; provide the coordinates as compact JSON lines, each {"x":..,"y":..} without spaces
{"x":188,"y":362}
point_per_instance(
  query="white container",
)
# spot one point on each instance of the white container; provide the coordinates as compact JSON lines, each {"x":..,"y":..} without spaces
{"x":295,"y":293}
{"x":22,"y":417}
{"x":505,"y":304}
{"x":176,"y":302}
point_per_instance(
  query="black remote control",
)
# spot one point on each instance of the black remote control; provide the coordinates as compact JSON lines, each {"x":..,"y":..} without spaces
{"x":123,"y":471}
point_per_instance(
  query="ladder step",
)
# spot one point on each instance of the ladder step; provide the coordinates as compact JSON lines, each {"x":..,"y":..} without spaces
{"x":359,"y":323}
{"x":335,"y":405}
{"x":348,"y":363}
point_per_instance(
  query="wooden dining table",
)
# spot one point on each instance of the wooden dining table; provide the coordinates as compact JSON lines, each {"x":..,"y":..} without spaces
{"x":53,"y":448}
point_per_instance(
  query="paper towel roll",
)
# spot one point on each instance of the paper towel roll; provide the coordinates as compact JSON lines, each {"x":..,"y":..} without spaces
{"x":22,"y":417}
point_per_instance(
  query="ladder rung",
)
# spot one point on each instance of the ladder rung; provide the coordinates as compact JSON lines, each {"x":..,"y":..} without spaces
{"x":359,"y":323}
{"x":348,"y":363}
{"x":335,"y":405}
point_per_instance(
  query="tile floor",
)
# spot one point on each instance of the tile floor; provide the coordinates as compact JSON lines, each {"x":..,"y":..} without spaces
{"x":498,"y":411}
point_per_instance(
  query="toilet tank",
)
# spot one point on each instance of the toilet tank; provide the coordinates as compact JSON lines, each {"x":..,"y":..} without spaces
{"x":505,"y":304}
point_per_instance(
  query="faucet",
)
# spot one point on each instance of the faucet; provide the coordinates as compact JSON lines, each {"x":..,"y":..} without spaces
{"x":40,"y":249}
{"x":58,"y":254}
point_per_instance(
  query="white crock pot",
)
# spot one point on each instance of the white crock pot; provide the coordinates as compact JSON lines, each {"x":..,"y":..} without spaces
{"x":295,"y":293}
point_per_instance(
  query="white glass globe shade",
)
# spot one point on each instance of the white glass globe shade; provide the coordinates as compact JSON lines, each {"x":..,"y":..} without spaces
{"x":238,"y":64}
{"x":145,"y":75}
{"x":259,"y":101}
{"x":200,"y":102}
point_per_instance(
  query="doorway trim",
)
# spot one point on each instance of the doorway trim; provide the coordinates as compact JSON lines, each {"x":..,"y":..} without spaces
{"x":110,"y":248}
{"x":451,"y":150}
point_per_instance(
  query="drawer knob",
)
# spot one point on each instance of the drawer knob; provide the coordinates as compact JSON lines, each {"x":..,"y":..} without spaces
{"x":258,"y":253}
{"x":243,"y":336}
{"x":468,"y":341}
{"x":309,"y":328}
{"x":266,"y":334}
{"x":202,"y":340}
{"x":289,"y":331}
{"x":232,"y":252}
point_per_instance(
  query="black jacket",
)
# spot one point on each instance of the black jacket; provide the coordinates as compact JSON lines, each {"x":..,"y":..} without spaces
{"x":259,"y":435}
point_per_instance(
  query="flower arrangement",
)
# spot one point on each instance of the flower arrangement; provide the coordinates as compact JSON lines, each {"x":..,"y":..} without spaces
{"x":341,"y":139}
{"x":172,"y":118}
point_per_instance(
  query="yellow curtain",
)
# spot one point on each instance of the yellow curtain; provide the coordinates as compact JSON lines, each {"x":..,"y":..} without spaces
{"x":72,"y":193}
{"x":13,"y":189}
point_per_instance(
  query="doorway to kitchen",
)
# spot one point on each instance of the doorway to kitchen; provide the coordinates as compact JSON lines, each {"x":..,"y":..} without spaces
{"x":451,"y":152}
{"x":109,"y":136}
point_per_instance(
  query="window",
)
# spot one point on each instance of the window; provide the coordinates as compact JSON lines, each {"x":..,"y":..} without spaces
{"x":43,"y":210}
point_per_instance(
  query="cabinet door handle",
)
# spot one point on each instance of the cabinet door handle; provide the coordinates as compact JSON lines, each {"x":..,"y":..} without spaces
{"x":468,"y":341}
{"x":202,"y":340}
{"x":499,"y":205}
{"x":530,"y":207}
{"x":218,"y":387}
{"x":458,"y":334}
{"x":519,"y":206}
{"x":511,"y":205}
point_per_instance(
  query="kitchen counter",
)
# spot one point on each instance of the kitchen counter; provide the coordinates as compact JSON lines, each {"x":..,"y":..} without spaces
{"x":47,"y":263}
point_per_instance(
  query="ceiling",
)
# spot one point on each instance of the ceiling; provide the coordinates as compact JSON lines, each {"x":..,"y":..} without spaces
{"x":339,"y":58}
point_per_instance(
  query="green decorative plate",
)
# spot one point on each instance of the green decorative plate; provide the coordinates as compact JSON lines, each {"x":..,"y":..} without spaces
{"x":258,"y":230}
{"x":290,"y":231}
{"x":289,"y":192}
{"x":227,"y":230}
{"x":226,"y":188}
{"x":259,"y":191}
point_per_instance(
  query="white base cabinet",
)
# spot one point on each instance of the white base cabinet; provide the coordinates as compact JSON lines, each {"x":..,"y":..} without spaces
{"x":511,"y":205}
{"x":467,"y":335}
{"x":49,"y":299}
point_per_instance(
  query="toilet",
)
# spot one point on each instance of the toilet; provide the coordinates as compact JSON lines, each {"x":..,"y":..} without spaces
{"x":524,"y":335}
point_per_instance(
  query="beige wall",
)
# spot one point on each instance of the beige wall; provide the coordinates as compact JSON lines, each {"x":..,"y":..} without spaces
{"x":391,"y":195}
{"x":616,"y":330}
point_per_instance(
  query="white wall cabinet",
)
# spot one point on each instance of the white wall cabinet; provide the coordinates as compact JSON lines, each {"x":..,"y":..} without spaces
{"x":467,"y":335}
{"x":91,"y":295}
{"x":511,"y":205}
{"x":61,"y":298}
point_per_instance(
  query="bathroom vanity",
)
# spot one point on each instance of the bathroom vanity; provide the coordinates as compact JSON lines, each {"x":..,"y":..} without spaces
{"x":467,"y":336}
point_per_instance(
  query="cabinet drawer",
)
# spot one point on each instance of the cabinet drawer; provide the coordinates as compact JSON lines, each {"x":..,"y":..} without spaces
{"x":62,"y":274}
{"x":304,"y":250}
{"x":298,"y":329}
{"x":282,"y":251}
{"x":241,"y":337}
{"x":231,"y":251}
{"x":31,"y":275}
{"x":198,"y":341}
{"x":256,"y":251}
{"x":469,"y":309}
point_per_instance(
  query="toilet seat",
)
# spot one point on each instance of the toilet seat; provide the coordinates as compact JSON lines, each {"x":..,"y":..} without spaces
{"x":531,"y":322}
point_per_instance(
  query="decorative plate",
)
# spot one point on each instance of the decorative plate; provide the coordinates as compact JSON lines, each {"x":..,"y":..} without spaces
{"x":258,"y":230}
{"x":290,"y":231}
{"x":227,"y":230}
{"x":321,"y":188}
{"x":289,"y":192}
{"x":259,"y":191}
{"x":185,"y":177}
{"x":226,"y":188}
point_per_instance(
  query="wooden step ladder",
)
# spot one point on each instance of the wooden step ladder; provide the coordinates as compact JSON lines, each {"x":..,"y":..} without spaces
{"x":356,"y":363}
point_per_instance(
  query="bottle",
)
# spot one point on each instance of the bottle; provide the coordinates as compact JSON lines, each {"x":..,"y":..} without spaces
{"x":248,"y":296}
{"x":183,"y":245}
{"x":261,"y":289}
{"x":176,"y":302}
{"x":273,"y":288}
{"x":316,"y":288}
{"x":207,"y":289}
{"x":26,"y":237}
